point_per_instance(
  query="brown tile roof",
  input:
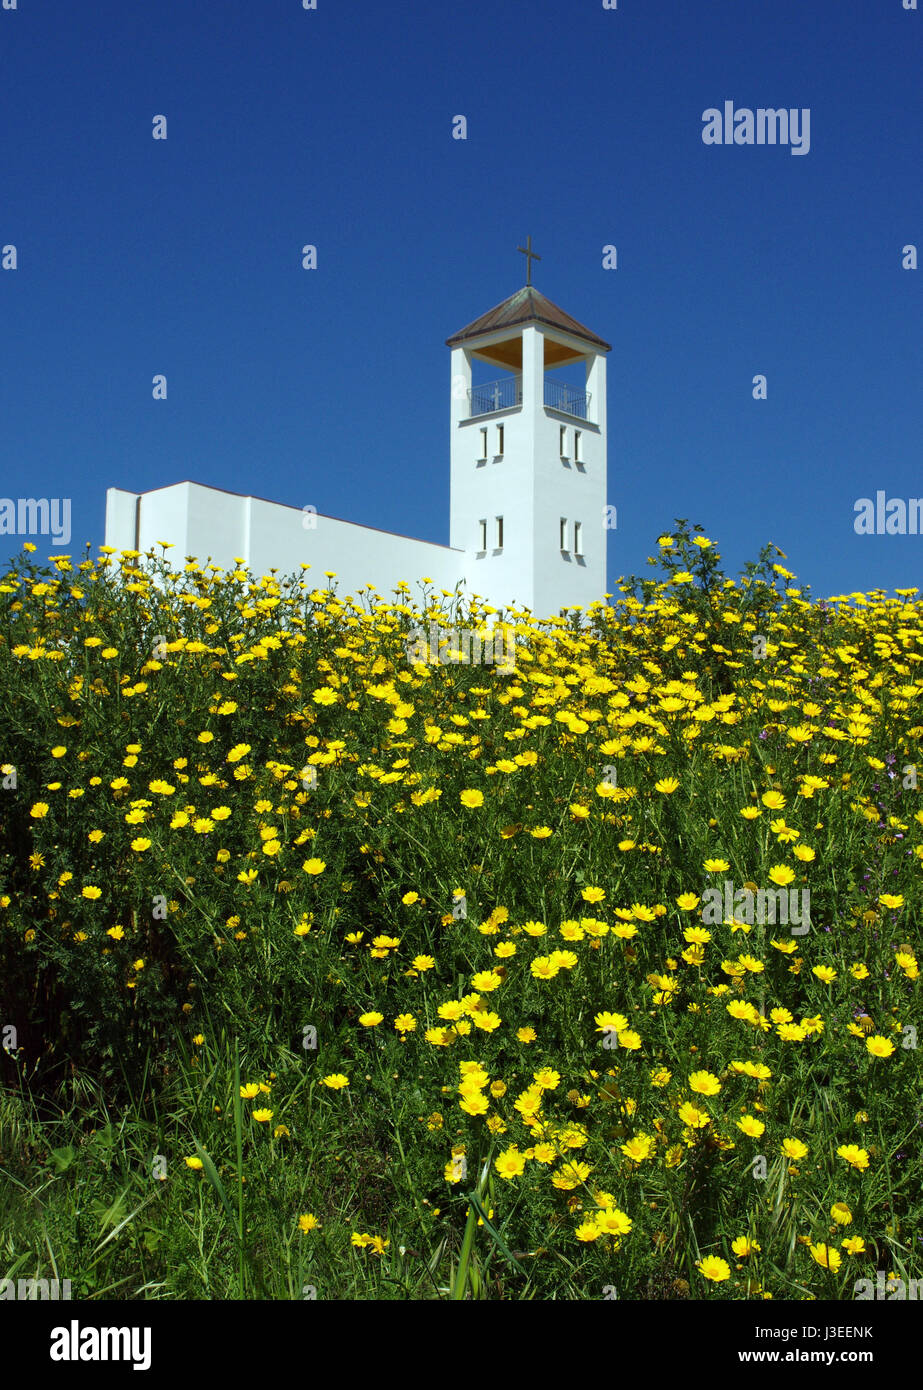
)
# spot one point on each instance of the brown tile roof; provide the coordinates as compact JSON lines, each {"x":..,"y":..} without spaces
{"x":527,"y":305}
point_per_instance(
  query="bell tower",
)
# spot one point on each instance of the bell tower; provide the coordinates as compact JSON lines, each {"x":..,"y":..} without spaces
{"x":528,"y":454}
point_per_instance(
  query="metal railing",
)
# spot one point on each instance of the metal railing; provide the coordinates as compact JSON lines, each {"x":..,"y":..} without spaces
{"x":495,"y":395}
{"x":507,"y":392}
{"x":567,"y":399}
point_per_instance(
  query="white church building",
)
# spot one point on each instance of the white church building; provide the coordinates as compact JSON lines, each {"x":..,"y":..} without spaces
{"x":528,"y":484}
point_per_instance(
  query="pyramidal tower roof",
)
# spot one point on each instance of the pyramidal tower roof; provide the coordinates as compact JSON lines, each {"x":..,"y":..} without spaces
{"x":527,"y":305}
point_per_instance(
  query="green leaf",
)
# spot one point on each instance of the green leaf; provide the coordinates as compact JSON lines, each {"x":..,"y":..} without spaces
{"x":107,"y":1214}
{"x":501,"y":1243}
{"x":211,"y":1172}
{"x":103,"y":1139}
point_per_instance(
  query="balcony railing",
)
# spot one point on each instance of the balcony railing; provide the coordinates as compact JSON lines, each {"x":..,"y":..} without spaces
{"x":567,"y":398}
{"x":495,"y":395}
{"x":507,"y":392}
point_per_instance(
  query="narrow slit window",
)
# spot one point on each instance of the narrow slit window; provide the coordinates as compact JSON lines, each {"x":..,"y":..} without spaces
{"x":578,"y":537}
{"x":482,"y":534}
{"x":499,"y":441}
{"x":578,"y":449}
{"x":563,"y":532}
{"x":563,"y":442}
{"x":499,"y":532}
{"x":483,"y":453}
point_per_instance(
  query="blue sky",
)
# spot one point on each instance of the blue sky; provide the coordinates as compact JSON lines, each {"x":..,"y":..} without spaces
{"x":334,"y":127}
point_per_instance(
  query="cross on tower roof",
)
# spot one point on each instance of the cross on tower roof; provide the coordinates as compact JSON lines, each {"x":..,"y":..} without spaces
{"x":530,"y":255}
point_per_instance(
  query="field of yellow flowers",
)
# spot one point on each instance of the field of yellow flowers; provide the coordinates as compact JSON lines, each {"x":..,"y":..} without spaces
{"x":330,"y":969}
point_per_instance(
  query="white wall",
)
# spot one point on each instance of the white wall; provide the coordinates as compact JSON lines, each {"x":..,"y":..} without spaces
{"x":218,"y":526}
{"x":120,"y":518}
{"x":360,"y":555}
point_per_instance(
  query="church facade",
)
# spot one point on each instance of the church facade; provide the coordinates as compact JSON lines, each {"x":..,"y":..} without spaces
{"x":528,"y":483}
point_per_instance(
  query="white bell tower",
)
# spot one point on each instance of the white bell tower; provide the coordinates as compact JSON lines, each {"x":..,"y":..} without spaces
{"x":528,"y":455}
